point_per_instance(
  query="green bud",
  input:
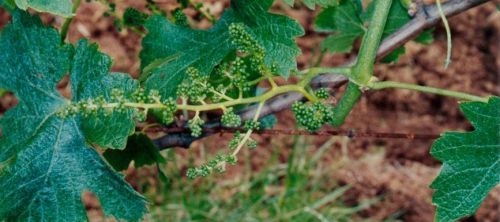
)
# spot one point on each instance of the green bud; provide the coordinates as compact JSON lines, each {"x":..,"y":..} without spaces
{"x":243,"y":40}
{"x":192,"y":173}
{"x":180,"y":18}
{"x":252,"y":125}
{"x":154,"y":96}
{"x":231,"y":160}
{"x":221,"y":168}
{"x":230,"y":119}
{"x":117,"y":95}
{"x":233,"y":144}
{"x":312,"y":117}
{"x":140,"y":96}
{"x":322,"y":93}
{"x":195,"y":125}
{"x":252,"y":144}
{"x":121,"y":108}
{"x":140,"y":116}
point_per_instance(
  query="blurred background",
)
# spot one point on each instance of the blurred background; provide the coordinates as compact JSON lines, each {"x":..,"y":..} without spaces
{"x":315,"y":178}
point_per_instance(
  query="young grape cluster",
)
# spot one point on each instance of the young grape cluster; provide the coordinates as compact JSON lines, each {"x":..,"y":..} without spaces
{"x":233,"y":144}
{"x":168,"y":113}
{"x":117,"y":103}
{"x":240,"y":74}
{"x":230,"y":119}
{"x":195,"y":125}
{"x":94,"y":106}
{"x":237,"y":138}
{"x":195,"y":87}
{"x":252,"y":144}
{"x":245,"y":42}
{"x":230,"y":80}
{"x":180,"y":18}
{"x":118,"y":96}
{"x":218,"y":164}
{"x":252,"y":125}
{"x":322,"y":94}
{"x":140,"y":96}
{"x":247,"y":45}
{"x":312,"y":116}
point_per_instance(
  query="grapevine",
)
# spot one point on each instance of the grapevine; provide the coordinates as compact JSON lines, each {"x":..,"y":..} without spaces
{"x":188,"y":76}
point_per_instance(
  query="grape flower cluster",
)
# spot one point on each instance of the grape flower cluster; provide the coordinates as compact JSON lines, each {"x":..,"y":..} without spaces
{"x":195,"y":125}
{"x":322,"y":94}
{"x":230,"y":119}
{"x":218,"y":164}
{"x":244,"y":41}
{"x":194,"y":88}
{"x":312,"y":116}
{"x":233,"y":79}
{"x":180,"y":18}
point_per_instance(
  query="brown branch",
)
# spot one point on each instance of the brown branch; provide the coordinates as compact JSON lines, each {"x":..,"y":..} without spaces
{"x":426,"y":17}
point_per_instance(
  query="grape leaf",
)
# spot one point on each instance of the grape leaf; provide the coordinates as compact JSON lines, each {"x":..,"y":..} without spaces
{"x":394,"y":55}
{"x":57,"y":7}
{"x":9,"y":5}
{"x":344,"y":20}
{"x":471,"y":162}
{"x":140,"y":149}
{"x":45,"y":162}
{"x":348,"y":22}
{"x":425,"y":37}
{"x":90,"y":79}
{"x":204,"y":49}
{"x":312,"y":3}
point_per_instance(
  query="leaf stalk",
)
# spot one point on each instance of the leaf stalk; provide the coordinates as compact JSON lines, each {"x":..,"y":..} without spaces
{"x":426,"y":89}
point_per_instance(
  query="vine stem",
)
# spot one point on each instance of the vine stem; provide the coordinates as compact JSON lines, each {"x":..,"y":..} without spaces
{"x":67,"y":22}
{"x":363,"y":70}
{"x":207,"y":107}
{"x":426,"y":89}
{"x":249,"y":132}
{"x":247,"y":135}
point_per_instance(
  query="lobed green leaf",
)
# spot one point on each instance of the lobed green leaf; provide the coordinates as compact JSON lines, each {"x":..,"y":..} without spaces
{"x":344,"y":20}
{"x":45,"y":162}
{"x":90,"y":79}
{"x":347,"y":21}
{"x":471,"y":162}
{"x":204,"y":49}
